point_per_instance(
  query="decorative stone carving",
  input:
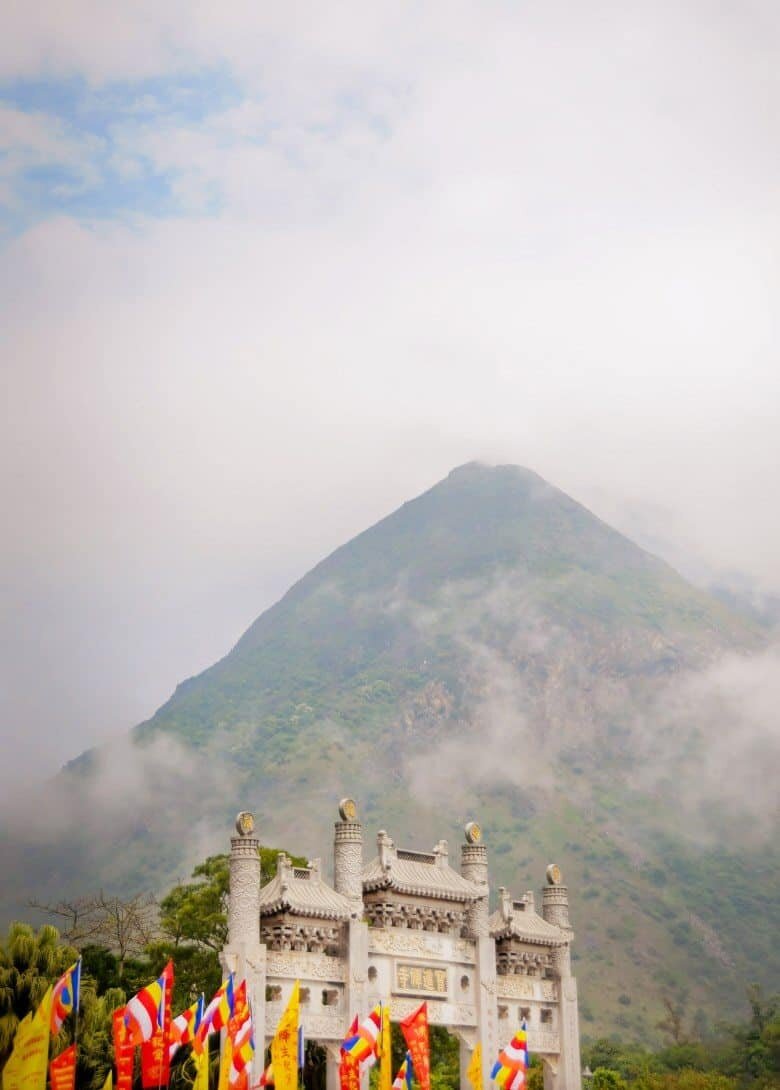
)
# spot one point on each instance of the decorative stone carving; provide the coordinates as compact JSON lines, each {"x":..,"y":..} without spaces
{"x":516,"y":987}
{"x":304,"y":966}
{"x":540,"y":1040}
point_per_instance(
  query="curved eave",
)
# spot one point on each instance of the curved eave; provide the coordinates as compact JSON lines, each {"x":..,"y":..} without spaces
{"x":274,"y":908}
{"x":373,"y":885}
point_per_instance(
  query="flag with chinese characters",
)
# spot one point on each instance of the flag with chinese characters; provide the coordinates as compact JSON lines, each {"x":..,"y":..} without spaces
{"x":62,"y":1070}
{"x":415,"y":1031}
{"x":124,"y":1051}
{"x":284,"y":1047}
{"x":25,"y":1068}
{"x":509,"y":1070}
{"x":474,"y":1070}
{"x":155,"y":1053}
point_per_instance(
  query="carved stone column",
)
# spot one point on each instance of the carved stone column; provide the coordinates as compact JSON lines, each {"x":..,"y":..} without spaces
{"x":348,"y":857}
{"x":555,"y":909}
{"x":244,"y":954}
{"x":474,"y":866}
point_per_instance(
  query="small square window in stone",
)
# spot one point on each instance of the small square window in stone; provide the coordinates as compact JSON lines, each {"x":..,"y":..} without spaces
{"x":547,"y":1016}
{"x":305,"y":995}
{"x":330,"y":997}
{"x":273,"y":993}
{"x":503,"y":1011}
{"x":524,"y":1013}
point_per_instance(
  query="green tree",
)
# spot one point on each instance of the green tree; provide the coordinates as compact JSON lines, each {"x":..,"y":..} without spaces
{"x":29,"y":962}
{"x":604,"y":1078}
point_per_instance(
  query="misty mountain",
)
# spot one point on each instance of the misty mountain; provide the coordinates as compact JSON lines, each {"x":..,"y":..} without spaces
{"x":491,"y":650}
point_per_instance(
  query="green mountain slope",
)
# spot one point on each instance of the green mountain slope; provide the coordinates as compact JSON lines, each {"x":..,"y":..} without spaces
{"x":490,"y":650}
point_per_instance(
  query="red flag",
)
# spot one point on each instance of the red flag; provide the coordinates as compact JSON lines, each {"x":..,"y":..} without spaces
{"x":155,"y":1055}
{"x":349,"y":1068}
{"x":124,"y":1052}
{"x":415,"y":1030}
{"x":240,"y":1010}
{"x":62,"y":1070}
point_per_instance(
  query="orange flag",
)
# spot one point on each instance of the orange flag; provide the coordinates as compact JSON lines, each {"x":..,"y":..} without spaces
{"x":415,"y":1030}
{"x":155,"y":1055}
{"x":124,"y":1052}
{"x":62,"y":1070}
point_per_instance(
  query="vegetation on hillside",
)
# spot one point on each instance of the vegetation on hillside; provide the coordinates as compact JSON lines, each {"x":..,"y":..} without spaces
{"x":494,"y":635}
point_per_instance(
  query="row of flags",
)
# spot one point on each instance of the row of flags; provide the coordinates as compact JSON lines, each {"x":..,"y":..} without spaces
{"x":146,"y":1021}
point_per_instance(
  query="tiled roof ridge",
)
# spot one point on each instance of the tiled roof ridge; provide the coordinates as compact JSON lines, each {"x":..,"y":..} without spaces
{"x":518,"y":919}
{"x":302,"y":891}
{"x":417,"y":873}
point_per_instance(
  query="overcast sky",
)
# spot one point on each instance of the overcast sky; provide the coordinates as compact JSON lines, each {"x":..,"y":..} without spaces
{"x":267,"y":271}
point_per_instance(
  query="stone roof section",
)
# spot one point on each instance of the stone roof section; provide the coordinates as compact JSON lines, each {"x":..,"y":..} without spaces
{"x":519,"y":920}
{"x":301,"y":891}
{"x":421,"y":874}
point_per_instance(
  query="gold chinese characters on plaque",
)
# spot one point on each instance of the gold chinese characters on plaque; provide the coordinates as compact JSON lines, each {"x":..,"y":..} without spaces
{"x":420,"y":978}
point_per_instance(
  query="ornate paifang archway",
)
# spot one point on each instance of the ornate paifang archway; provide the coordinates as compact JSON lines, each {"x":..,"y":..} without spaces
{"x":405,"y":926}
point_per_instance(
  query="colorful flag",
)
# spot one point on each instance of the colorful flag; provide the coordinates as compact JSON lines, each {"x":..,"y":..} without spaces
{"x":403,"y":1080}
{"x":349,"y":1067}
{"x":62,"y":1070}
{"x":474,"y":1070}
{"x":155,"y":1053}
{"x":201,"y":1061}
{"x":217,"y":1014}
{"x":385,"y":1052}
{"x":185,"y":1025}
{"x":25,"y":1068}
{"x":363,"y":1045}
{"x":510,"y":1068}
{"x":243,"y":1054}
{"x":145,"y":1011}
{"x":240,"y":1009}
{"x":124,"y":1051}
{"x":267,"y":1077}
{"x":415,"y":1031}
{"x":225,"y":1062}
{"x":284,"y":1050}
{"x":65,"y":996}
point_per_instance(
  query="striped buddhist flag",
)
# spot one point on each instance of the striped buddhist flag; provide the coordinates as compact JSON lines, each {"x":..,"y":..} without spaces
{"x":144,"y":1012}
{"x":243,"y":1054}
{"x":362,"y":1046}
{"x":403,"y":1080}
{"x":65,"y":997}
{"x":216,"y":1015}
{"x":185,"y":1025}
{"x":509,"y":1070}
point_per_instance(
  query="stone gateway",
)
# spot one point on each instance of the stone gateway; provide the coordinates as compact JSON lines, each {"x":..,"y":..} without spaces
{"x":405,"y":927}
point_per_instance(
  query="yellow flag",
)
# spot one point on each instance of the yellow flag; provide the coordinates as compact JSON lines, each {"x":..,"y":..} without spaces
{"x":225,"y":1063}
{"x":474,"y":1072}
{"x":385,"y":1053}
{"x":26,"y":1067}
{"x":284,"y":1047}
{"x":109,"y":1083}
{"x":201,"y":1061}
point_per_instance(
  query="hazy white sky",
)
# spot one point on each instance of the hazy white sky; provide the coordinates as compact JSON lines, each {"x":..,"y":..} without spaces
{"x":266,"y":272}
